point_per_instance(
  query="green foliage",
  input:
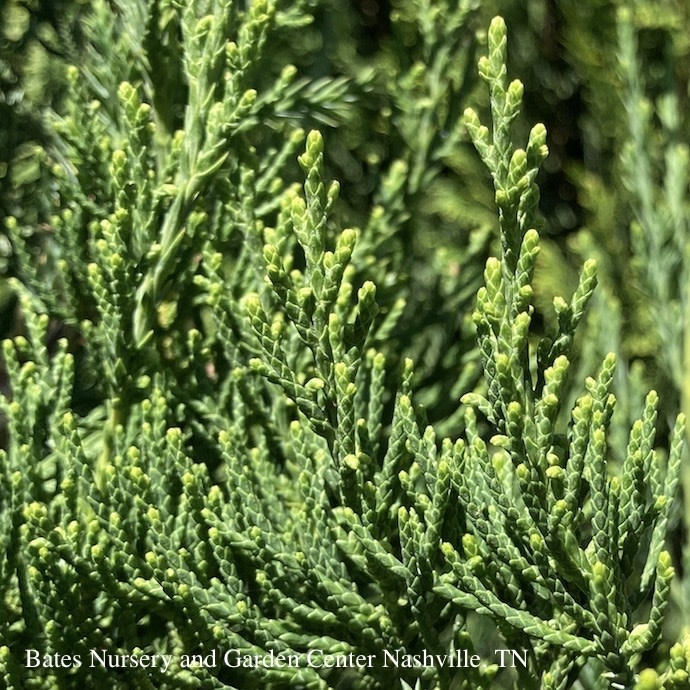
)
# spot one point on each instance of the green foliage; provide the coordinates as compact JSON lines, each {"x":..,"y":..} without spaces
{"x":254,"y":472}
{"x":629,"y":67}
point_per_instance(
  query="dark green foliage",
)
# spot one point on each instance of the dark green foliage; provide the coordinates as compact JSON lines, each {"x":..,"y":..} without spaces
{"x":229,"y":450}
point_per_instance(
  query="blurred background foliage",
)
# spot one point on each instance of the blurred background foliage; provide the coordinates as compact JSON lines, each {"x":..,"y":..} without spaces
{"x":391,"y":78}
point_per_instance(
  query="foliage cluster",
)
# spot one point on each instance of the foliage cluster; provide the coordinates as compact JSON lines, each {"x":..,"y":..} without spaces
{"x":232,"y":424}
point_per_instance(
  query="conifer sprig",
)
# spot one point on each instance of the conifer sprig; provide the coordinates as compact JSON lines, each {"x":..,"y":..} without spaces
{"x":256,"y":477}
